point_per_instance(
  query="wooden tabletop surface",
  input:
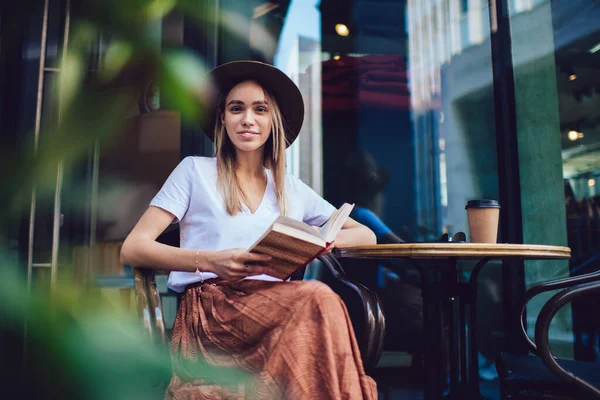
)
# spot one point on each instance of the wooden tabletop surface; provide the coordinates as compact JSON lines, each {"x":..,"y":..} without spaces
{"x":457,"y":250}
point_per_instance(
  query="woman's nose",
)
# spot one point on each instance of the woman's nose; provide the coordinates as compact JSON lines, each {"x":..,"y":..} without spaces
{"x":248,"y":118}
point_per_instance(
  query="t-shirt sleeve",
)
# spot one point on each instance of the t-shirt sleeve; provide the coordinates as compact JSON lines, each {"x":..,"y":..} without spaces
{"x":175,"y":194}
{"x":316,"y":209}
{"x":370,"y":220}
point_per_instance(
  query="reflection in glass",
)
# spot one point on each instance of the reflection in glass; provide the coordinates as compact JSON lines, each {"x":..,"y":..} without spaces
{"x":298,"y":54}
{"x":409,"y":136}
{"x":557,"y":89}
{"x":452,"y":111}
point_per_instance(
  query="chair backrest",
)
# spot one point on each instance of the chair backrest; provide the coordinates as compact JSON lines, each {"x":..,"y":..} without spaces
{"x":572,"y":288}
{"x":364,"y":307}
{"x":542,"y":329}
{"x":564,"y":283}
{"x":148,"y":304}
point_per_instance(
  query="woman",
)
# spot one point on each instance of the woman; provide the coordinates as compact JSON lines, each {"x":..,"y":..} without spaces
{"x":294,"y":337}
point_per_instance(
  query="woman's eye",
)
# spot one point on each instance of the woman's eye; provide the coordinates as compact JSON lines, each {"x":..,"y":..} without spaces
{"x":235,"y":109}
{"x":261,"y":109}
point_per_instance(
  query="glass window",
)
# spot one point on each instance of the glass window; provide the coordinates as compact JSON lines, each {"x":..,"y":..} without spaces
{"x":557,"y":85}
{"x":400,"y":115}
{"x":464,"y":6}
{"x":298,"y":54}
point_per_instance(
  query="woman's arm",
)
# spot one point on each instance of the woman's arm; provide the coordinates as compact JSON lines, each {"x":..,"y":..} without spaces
{"x":383,"y":233}
{"x":141,"y":249}
{"x":354,"y":234}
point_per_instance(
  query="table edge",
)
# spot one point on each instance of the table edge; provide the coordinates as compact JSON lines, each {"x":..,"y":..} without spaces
{"x":459,"y":250}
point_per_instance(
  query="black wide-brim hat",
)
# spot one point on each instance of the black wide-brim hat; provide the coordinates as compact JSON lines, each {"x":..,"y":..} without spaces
{"x":276,"y":82}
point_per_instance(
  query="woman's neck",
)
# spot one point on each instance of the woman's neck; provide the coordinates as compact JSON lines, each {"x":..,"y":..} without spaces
{"x":250,"y":164}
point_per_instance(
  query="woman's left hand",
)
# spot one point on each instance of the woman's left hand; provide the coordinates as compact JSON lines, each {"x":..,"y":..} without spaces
{"x":328,"y":249}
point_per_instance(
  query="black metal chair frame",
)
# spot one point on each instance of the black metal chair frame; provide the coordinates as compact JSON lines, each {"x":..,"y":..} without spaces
{"x":374,"y":318}
{"x":573,"y":288}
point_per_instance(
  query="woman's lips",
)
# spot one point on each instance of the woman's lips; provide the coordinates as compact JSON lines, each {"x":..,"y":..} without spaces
{"x":247,"y":134}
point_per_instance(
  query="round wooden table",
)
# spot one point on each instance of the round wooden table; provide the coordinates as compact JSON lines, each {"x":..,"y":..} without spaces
{"x":436,"y":262}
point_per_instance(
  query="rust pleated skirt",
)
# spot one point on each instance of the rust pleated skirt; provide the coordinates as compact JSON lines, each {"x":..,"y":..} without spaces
{"x":291,"y":340}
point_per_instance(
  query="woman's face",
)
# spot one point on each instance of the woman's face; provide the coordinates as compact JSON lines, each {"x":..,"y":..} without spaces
{"x":247,"y":116}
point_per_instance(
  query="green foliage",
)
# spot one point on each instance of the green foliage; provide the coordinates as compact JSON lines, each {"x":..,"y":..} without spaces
{"x":76,"y":343}
{"x":93,"y":107}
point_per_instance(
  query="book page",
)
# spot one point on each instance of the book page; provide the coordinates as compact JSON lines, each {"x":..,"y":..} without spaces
{"x":334,"y":224}
{"x":299,"y":225}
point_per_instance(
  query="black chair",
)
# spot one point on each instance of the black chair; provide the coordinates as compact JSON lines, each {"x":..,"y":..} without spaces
{"x":542,"y":376}
{"x":363,"y":306}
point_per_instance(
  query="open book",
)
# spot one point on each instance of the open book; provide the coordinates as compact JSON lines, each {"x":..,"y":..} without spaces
{"x":293,"y":244}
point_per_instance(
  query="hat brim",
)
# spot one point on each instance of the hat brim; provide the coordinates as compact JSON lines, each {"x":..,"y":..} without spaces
{"x":285,"y":91}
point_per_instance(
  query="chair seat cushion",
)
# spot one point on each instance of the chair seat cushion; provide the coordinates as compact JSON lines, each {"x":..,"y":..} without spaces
{"x":527,"y":377}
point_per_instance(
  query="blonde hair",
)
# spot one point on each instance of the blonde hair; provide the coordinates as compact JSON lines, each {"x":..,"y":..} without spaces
{"x":274,"y":157}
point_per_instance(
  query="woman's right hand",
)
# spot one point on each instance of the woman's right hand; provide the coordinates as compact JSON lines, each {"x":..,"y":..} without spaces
{"x":235,"y":264}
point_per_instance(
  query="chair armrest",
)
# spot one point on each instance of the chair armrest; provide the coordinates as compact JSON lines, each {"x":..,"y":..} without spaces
{"x":373,"y":317}
{"x":542,"y":328}
{"x":148,"y":303}
{"x":546,"y":287}
{"x":141,"y":300}
{"x":156,"y":306}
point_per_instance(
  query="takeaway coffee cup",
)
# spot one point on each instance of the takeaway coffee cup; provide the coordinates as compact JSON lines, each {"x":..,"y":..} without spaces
{"x":483,"y":218}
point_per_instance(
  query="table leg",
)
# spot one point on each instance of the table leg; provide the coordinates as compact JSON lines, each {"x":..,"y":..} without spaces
{"x":464,"y":367}
{"x":471,"y":351}
{"x":469,"y":387}
{"x":452,"y":297}
{"x":433,"y":332}
{"x":464,"y":345}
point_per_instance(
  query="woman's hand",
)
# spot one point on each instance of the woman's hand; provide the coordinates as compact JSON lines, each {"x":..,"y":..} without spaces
{"x":328,"y":249}
{"x":235,"y":264}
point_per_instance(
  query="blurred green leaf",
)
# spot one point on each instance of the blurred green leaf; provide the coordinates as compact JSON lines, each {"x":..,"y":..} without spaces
{"x":74,"y":65}
{"x":184,"y":85}
{"x":159,"y":8}
{"x":77,"y":343}
{"x":93,"y":349}
{"x":118,"y":54}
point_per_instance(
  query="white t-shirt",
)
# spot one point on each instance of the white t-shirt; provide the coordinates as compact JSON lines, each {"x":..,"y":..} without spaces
{"x":190,"y":193}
